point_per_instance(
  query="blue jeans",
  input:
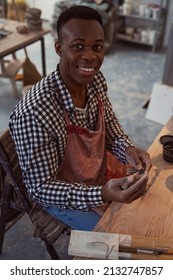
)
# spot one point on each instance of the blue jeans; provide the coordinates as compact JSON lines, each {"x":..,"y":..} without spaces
{"x":77,"y":220}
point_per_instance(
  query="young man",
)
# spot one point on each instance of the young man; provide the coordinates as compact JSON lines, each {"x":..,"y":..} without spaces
{"x":64,"y":125}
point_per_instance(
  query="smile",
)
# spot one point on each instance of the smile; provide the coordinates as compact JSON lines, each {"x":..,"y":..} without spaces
{"x":86,"y":69}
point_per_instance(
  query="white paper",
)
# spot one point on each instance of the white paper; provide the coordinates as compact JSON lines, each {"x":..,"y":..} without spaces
{"x":161,"y":104}
{"x":97,"y":245}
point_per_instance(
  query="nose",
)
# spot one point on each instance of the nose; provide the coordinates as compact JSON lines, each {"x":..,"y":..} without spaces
{"x":88,"y":54}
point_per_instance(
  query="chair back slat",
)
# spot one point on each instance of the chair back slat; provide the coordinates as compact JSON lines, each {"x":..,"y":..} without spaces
{"x":10,"y":163}
{"x":8,"y":147}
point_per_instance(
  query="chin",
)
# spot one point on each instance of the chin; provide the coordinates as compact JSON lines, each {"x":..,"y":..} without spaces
{"x":86,"y":80}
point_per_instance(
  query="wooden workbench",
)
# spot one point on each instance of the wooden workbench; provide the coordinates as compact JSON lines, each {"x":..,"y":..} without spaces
{"x":150,"y":218}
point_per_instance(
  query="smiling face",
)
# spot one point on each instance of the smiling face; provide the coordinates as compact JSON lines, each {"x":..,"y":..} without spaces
{"x":81,"y":51}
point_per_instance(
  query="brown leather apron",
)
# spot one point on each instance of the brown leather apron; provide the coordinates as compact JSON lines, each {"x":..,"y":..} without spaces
{"x":84,"y":159}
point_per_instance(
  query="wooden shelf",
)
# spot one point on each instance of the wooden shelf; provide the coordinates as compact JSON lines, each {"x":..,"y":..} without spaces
{"x":138,"y":17}
{"x":156,"y":22}
{"x":127,"y":38}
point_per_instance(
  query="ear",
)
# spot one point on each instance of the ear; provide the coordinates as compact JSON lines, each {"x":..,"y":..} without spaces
{"x":58,"y":47}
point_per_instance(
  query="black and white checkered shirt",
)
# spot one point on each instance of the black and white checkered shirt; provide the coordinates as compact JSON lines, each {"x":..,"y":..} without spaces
{"x":38,"y":128}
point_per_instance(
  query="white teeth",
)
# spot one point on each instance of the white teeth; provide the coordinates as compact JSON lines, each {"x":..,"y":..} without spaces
{"x":86,"y":69}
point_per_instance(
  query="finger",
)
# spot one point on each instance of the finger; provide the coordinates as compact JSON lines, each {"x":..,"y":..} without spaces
{"x":134,"y":171}
{"x":136,"y":163}
{"x":137,"y":188}
{"x":119,"y":182}
{"x":145,"y":158}
{"x":148,"y":164}
{"x":137,"y":185}
{"x":139,"y":192}
{"x":136,"y":195}
{"x":128,"y":180}
{"x":131,"y":179}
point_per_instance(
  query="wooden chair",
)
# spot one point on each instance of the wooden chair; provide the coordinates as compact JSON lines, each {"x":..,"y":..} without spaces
{"x":9,"y":69}
{"x":15,"y":201}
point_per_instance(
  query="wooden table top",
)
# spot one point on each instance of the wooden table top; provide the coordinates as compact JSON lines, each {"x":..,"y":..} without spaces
{"x":151,"y":215}
{"x":15,"y":40}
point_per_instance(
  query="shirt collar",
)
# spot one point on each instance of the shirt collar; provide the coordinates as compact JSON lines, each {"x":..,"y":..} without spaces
{"x":64,"y":93}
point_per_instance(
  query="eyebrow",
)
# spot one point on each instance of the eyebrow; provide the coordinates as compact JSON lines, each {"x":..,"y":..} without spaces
{"x":81,"y":39}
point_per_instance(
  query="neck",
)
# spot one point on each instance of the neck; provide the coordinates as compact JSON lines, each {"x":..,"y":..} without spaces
{"x":77,"y":91}
{"x":79,"y":99}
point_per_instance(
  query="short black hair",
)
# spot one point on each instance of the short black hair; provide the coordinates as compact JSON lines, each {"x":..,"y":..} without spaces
{"x":80,"y":12}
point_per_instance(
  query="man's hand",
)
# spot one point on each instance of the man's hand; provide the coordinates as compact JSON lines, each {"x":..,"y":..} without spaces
{"x":125,"y":189}
{"x":138,"y":158}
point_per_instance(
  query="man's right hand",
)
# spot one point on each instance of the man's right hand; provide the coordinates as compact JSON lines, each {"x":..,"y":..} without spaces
{"x":114,"y":190}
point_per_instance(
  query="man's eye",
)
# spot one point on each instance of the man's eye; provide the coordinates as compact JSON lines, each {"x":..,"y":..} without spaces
{"x":98,"y":47}
{"x":78,"y":46}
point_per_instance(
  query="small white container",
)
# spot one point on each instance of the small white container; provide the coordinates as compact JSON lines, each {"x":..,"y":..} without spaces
{"x":145,"y":36}
{"x":148,"y":12}
{"x":151,"y":36}
{"x":127,"y":9}
{"x":142,"y":8}
{"x":155,"y":13}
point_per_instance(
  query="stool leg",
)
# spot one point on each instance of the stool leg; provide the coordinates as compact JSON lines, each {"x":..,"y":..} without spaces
{"x":6,"y":194}
{"x":51,"y":250}
{"x":14,"y":88}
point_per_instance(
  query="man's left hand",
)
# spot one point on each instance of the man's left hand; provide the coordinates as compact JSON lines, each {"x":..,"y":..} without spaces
{"x":138,"y":158}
